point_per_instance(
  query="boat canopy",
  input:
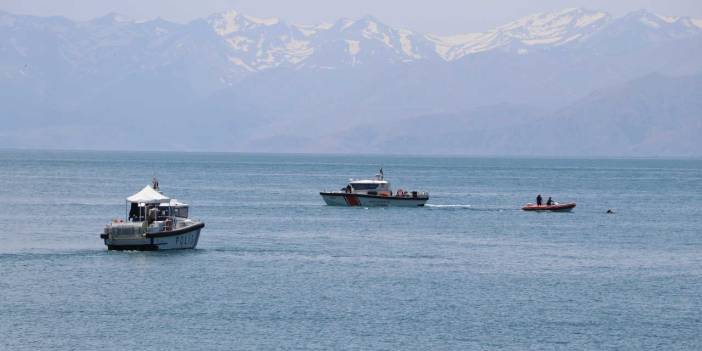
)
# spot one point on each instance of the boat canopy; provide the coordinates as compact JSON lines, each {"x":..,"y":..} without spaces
{"x":367,"y":181}
{"x":174,"y":203}
{"x":148,"y":196}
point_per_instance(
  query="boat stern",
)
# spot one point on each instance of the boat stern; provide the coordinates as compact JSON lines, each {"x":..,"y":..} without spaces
{"x":129,"y":238}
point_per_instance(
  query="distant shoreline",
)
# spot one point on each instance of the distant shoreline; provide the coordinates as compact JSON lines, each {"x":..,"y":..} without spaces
{"x":340,"y":154}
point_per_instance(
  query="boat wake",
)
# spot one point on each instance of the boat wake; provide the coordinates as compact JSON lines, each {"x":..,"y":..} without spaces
{"x":449,"y":206}
{"x":469,"y":207}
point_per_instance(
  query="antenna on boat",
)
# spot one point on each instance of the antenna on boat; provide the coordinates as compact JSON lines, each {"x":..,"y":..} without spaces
{"x":382,"y":175}
{"x":154,"y":183}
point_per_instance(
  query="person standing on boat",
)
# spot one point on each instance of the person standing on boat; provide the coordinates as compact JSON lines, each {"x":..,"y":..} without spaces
{"x":538,"y":200}
{"x":549,"y":202}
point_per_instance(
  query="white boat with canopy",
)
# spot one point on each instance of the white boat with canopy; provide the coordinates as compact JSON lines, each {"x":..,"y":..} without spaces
{"x":373,"y":192}
{"x":153,"y":221}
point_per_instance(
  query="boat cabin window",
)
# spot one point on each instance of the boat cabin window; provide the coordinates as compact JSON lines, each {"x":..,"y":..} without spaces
{"x":163,"y":213}
{"x":362,"y":186}
{"x":181,"y":212}
{"x":136,"y":212}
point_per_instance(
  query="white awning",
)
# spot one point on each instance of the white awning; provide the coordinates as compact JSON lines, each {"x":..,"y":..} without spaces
{"x":174,"y":203}
{"x":148,"y":196}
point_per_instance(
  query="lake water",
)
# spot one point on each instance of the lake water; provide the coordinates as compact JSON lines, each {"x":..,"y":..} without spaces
{"x":277,"y":269}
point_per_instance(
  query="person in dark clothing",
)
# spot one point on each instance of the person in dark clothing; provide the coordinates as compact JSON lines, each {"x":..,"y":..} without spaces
{"x":134,"y":212}
{"x":538,"y":200}
{"x":549,"y":202}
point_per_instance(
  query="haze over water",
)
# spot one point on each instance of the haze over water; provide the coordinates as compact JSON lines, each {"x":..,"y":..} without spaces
{"x":277,"y":269}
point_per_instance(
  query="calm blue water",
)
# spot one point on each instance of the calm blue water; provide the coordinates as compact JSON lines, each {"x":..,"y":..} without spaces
{"x":276,"y":269}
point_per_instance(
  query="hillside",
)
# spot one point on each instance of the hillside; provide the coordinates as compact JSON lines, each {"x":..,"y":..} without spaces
{"x":231,"y":82}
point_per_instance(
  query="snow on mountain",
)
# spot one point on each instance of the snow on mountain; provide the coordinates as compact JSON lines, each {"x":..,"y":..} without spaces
{"x":544,"y":29}
{"x":640,"y":29}
{"x":231,"y":81}
{"x":258,"y":44}
{"x":367,"y":40}
{"x":309,"y":30}
{"x":249,"y":44}
{"x":682,"y":24}
{"x":658,"y":27}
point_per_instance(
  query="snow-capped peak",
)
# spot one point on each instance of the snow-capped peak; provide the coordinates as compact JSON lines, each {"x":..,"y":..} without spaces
{"x":553,"y":27}
{"x":312,"y":29}
{"x":658,"y":27}
{"x":344,"y":23}
{"x":650,"y":19}
{"x":550,"y":28}
{"x":685,"y":22}
{"x":275,"y":42}
{"x":263,"y":21}
{"x":225,"y":23}
{"x":231,"y":21}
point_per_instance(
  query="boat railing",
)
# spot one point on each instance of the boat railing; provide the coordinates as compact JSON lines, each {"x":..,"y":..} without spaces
{"x":404,"y":194}
{"x":412,"y":194}
{"x":125,"y":229}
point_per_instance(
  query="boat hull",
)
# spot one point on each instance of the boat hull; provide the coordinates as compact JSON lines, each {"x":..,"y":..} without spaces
{"x":551,"y":208}
{"x":183,"y":238}
{"x":362,"y":200}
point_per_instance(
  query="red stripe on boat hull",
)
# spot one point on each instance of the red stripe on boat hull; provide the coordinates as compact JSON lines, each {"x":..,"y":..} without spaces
{"x":352,"y":200}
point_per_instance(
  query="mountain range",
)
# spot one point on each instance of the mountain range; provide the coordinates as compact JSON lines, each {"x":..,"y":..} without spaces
{"x":569,"y":83}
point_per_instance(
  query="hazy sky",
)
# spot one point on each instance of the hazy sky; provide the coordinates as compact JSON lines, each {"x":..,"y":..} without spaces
{"x":434,"y":16}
